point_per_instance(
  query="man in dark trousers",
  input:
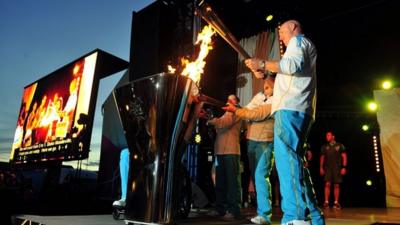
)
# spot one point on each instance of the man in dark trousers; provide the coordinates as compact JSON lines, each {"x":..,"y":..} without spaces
{"x":333,"y":164}
{"x":227,"y":163}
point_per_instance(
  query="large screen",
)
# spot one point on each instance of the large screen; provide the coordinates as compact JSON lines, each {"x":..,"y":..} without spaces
{"x":56,"y":115}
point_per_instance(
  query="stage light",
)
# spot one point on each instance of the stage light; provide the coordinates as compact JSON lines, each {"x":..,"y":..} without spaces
{"x":269,"y":17}
{"x":375,"y":143}
{"x":197,"y":138}
{"x":368,"y":183}
{"x":372,"y":106}
{"x":133,"y":187}
{"x":365,"y":127}
{"x":387,"y":84}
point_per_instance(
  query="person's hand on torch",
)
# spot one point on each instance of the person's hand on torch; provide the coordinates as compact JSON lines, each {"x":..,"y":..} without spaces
{"x":257,"y":67}
{"x":230,"y":107}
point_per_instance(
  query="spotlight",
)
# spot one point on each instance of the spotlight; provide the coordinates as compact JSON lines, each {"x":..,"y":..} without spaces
{"x":365,"y":127}
{"x":269,"y":17}
{"x":387,"y":84}
{"x":197,"y":138}
{"x":372,"y":106}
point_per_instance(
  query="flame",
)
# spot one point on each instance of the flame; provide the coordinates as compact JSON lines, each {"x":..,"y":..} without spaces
{"x":171,"y":69}
{"x":76,"y":69}
{"x":195,"y":69}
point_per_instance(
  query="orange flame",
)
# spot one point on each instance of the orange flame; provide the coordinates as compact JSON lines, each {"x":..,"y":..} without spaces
{"x":171,"y":69}
{"x":195,"y":69}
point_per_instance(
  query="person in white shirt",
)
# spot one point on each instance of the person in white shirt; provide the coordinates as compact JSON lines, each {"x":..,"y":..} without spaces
{"x":293,"y":108}
{"x":260,"y":134}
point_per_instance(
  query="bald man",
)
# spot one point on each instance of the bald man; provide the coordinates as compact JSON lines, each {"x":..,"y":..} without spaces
{"x":293,"y":108}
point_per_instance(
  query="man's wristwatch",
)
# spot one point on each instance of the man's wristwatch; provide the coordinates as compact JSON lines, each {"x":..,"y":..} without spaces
{"x":262,"y":65}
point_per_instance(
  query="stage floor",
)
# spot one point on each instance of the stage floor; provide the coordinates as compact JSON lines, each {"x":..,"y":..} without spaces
{"x":345,"y":216}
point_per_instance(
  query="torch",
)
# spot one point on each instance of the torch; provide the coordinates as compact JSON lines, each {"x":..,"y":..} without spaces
{"x":206,"y":12}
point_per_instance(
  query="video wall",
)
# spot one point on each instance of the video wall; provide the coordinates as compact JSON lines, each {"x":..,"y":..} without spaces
{"x":56,"y":115}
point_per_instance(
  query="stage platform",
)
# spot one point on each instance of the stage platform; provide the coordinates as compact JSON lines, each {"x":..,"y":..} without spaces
{"x":345,"y":216}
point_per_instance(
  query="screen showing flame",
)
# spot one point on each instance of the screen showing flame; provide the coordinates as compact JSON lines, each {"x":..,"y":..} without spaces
{"x":48,"y":122}
{"x":196,"y":68}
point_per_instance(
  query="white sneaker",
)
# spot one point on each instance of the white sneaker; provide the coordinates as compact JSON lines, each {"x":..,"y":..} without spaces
{"x":120,"y":203}
{"x":259,"y":220}
{"x":298,"y":222}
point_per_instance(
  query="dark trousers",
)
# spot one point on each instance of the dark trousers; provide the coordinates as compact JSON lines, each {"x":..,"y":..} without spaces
{"x":228,"y":184}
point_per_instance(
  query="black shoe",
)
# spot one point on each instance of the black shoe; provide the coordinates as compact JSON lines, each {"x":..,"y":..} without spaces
{"x":336,"y":205}
{"x":214,"y":213}
{"x":228,"y":217}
